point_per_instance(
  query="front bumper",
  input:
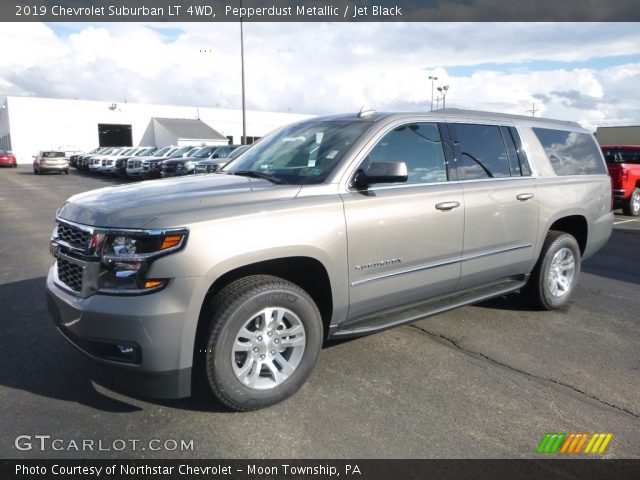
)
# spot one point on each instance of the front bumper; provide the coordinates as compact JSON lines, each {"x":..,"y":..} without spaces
{"x":134,"y":172}
{"x":156,"y":325}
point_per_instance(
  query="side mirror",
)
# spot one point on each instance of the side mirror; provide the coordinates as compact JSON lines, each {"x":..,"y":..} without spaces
{"x":380,"y":172}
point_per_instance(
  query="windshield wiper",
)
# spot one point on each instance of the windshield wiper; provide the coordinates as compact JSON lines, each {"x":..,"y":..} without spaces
{"x":253,"y":174}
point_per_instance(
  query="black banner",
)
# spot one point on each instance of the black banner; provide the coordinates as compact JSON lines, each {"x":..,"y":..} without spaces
{"x":318,"y":10}
{"x":321,"y":469}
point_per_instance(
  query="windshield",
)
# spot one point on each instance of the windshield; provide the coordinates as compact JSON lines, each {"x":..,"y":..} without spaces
{"x":237,"y":152}
{"x":204,"y":152}
{"x":179,"y":152}
{"x":300,"y":154}
{"x":162,"y":151}
{"x":145,"y":151}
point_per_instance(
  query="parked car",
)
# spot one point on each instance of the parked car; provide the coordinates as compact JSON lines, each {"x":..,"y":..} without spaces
{"x":212,"y":165}
{"x":83,"y":161}
{"x":329,"y":228}
{"x":186,"y":165}
{"x":623,"y":162}
{"x":134,"y":164}
{"x":152,"y":167}
{"x":106,"y":161}
{"x":119,"y":167}
{"x":50,"y":161}
{"x":7,"y":159}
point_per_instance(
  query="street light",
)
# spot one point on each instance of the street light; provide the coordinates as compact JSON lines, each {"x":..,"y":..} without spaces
{"x":443,"y":91}
{"x":244,"y":114}
{"x":433,"y":79}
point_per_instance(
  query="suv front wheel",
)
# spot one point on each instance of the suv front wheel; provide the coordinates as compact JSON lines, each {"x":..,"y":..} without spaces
{"x":263,"y":341}
{"x":556,"y":272}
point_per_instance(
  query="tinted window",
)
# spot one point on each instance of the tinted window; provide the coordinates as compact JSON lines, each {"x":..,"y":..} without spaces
{"x":53,"y":154}
{"x":482,"y":153}
{"x":304,"y":153}
{"x":418,"y":145}
{"x":571,"y":153}
{"x":621,"y":155}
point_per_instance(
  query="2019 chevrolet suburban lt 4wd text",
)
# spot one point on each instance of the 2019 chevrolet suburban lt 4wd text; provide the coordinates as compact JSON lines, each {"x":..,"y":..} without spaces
{"x":333,"y":227}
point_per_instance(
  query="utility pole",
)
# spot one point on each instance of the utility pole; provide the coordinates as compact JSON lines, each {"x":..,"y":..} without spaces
{"x":533,"y":109}
{"x":244,"y":112}
{"x":433,"y":79}
{"x":438,"y":103}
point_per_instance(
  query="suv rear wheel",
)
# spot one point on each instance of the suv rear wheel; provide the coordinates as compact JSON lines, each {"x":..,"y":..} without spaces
{"x":263,"y":341}
{"x":632,"y":206}
{"x":556,"y":273}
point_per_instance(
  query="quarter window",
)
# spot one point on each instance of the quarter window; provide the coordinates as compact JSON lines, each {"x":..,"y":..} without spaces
{"x":571,"y":153}
{"x":419,"y":146}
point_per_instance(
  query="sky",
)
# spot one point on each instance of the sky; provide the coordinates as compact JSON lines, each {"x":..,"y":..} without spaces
{"x":584,"y":72}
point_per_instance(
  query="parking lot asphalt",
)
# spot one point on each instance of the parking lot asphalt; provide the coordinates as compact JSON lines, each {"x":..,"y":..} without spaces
{"x":484,"y":381}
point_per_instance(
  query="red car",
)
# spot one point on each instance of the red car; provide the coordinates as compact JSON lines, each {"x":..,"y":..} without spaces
{"x":7,"y":159}
{"x":623,"y":162}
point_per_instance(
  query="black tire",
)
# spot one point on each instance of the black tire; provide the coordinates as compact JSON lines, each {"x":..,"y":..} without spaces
{"x":538,"y":290}
{"x":631,"y":206}
{"x":66,"y":172}
{"x":35,"y":171}
{"x":228,"y":312}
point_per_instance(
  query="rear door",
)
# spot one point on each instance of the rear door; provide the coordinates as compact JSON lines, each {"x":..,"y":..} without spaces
{"x":501,"y":206}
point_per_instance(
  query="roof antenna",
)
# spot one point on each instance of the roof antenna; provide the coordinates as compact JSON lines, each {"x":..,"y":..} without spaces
{"x":365,"y":111}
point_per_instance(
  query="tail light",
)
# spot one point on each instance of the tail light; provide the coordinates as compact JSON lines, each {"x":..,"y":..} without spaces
{"x":624,"y":174}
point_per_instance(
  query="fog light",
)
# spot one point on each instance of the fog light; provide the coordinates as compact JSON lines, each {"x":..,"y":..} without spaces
{"x":126,"y":350}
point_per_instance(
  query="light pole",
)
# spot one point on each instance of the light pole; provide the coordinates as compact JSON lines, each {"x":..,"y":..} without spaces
{"x":443,"y":91}
{"x":244,"y":113}
{"x":433,"y":79}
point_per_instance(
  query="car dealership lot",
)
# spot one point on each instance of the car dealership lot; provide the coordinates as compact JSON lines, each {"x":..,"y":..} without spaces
{"x":483,"y":381}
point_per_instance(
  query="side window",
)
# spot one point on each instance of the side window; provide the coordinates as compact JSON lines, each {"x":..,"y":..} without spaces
{"x":571,"y":153}
{"x":482,"y":152}
{"x":419,"y":145}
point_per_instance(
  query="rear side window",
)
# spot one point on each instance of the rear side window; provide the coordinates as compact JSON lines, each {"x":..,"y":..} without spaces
{"x":571,"y":153}
{"x":621,"y":155}
{"x":482,"y":152}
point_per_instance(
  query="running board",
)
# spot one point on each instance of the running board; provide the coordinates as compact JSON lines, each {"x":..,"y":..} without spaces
{"x":385,"y":319}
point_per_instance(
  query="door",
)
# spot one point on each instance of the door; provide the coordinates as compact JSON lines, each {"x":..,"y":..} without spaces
{"x":501,"y":206}
{"x":405,"y":240}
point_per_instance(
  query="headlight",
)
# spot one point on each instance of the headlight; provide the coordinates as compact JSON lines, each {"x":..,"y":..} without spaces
{"x":190,"y":165}
{"x":126,"y":259}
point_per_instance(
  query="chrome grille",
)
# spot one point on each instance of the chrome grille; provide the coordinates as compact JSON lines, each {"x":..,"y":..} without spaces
{"x":75,"y":237}
{"x":70,"y":274}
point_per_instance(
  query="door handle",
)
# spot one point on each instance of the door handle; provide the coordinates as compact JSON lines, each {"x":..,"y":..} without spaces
{"x":524,"y":196}
{"x":447,"y":205}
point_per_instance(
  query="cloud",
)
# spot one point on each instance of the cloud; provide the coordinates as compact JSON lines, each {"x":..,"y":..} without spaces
{"x":336,"y":67}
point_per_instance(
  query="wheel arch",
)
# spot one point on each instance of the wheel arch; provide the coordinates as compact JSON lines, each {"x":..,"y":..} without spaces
{"x":305,"y":271}
{"x":575,"y":225}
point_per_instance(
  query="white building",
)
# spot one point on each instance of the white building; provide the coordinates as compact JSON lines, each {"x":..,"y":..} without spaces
{"x":30,"y":124}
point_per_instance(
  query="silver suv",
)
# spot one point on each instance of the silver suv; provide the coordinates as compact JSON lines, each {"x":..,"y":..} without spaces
{"x":329,"y":228}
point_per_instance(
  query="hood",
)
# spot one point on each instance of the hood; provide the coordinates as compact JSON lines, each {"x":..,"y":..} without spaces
{"x":169,"y":202}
